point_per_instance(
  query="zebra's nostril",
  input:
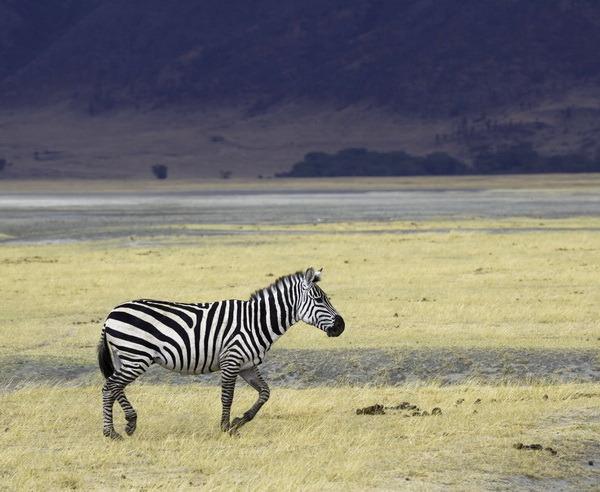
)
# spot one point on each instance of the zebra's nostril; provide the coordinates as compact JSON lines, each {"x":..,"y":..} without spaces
{"x":337,"y":328}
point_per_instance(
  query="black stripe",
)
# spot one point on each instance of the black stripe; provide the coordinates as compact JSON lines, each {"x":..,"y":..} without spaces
{"x":177,"y":310}
{"x":281,"y":301}
{"x":130,"y":350}
{"x":148,"y":328}
{"x":263,"y":319}
{"x":165,"y":320}
{"x":287,"y":293}
{"x":245,"y":354}
{"x":273,"y":311}
{"x":132,"y":339}
{"x":238,"y":321}
{"x":133,"y":359}
{"x":218,"y":326}
{"x":171,"y":354}
{"x":210,"y":316}
{"x":197,"y":327}
{"x":250,"y":343}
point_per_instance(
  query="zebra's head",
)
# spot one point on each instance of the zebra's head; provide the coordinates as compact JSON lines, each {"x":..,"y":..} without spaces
{"x":315,"y":308}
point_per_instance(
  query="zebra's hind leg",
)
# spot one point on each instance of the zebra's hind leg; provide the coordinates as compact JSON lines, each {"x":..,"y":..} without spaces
{"x":229,"y":372}
{"x":130,"y":413}
{"x":254,"y":378}
{"x":114,"y":389}
{"x":108,"y":401}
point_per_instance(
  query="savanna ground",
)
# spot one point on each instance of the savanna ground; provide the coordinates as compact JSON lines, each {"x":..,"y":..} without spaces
{"x":516,"y":299}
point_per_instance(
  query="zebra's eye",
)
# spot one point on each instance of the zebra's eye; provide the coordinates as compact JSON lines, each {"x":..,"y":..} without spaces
{"x":318,"y":298}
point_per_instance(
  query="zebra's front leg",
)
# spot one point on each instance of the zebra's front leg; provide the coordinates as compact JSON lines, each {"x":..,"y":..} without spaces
{"x":254,"y":378}
{"x":229,"y":373}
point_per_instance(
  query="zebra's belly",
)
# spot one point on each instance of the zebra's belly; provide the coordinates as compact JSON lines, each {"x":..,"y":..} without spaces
{"x":200,"y":368}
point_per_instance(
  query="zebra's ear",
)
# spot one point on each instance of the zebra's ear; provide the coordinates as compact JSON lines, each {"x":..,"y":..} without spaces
{"x":311,"y":276}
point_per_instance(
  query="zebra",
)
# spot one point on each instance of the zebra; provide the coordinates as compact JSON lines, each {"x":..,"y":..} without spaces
{"x":231,"y":336}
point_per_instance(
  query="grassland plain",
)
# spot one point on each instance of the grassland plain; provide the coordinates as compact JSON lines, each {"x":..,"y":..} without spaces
{"x":487,"y":284}
{"x":581,"y":181}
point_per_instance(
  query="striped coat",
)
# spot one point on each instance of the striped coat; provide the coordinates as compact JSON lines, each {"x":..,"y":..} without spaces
{"x":231,"y":336}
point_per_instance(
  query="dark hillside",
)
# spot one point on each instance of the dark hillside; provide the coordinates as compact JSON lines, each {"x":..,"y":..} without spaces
{"x":28,"y":27}
{"x":444,"y":57}
{"x":246,"y":88}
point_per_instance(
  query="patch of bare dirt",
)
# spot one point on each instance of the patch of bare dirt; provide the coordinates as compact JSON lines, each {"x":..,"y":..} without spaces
{"x":307,"y":368}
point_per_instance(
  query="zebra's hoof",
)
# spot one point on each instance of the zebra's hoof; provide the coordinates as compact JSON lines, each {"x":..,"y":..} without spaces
{"x":112,"y":434}
{"x":235,"y":426}
{"x":131,"y":426}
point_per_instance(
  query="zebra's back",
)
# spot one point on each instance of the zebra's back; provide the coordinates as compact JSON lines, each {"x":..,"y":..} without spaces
{"x":183,"y":337}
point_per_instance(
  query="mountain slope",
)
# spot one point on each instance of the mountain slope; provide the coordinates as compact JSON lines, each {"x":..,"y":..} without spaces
{"x":106,"y":88}
{"x":427,"y":57}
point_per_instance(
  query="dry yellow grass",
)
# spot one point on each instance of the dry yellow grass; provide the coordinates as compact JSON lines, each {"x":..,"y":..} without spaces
{"x":305,"y":439}
{"x":463,"y":288}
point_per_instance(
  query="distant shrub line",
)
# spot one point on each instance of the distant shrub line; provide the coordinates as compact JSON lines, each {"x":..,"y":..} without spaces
{"x":520,"y":158}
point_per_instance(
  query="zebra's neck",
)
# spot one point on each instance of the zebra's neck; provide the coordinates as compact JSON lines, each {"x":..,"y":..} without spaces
{"x":275,"y":308}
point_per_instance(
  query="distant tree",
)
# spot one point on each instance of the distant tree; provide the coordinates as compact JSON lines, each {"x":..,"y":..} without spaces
{"x":225,"y":174}
{"x":160,"y":171}
{"x":3,"y":164}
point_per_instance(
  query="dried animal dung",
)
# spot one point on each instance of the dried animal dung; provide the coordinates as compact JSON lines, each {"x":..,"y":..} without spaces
{"x":376,"y":409}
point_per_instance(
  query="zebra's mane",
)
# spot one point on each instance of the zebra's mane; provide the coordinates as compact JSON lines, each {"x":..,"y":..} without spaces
{"x":256,"y":293}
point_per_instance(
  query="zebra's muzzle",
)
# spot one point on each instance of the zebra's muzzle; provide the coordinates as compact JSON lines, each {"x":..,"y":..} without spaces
{"x":338,"y":327}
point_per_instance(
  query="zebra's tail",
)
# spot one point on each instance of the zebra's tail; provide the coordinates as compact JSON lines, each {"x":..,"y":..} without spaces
{"x":104,"y":359}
